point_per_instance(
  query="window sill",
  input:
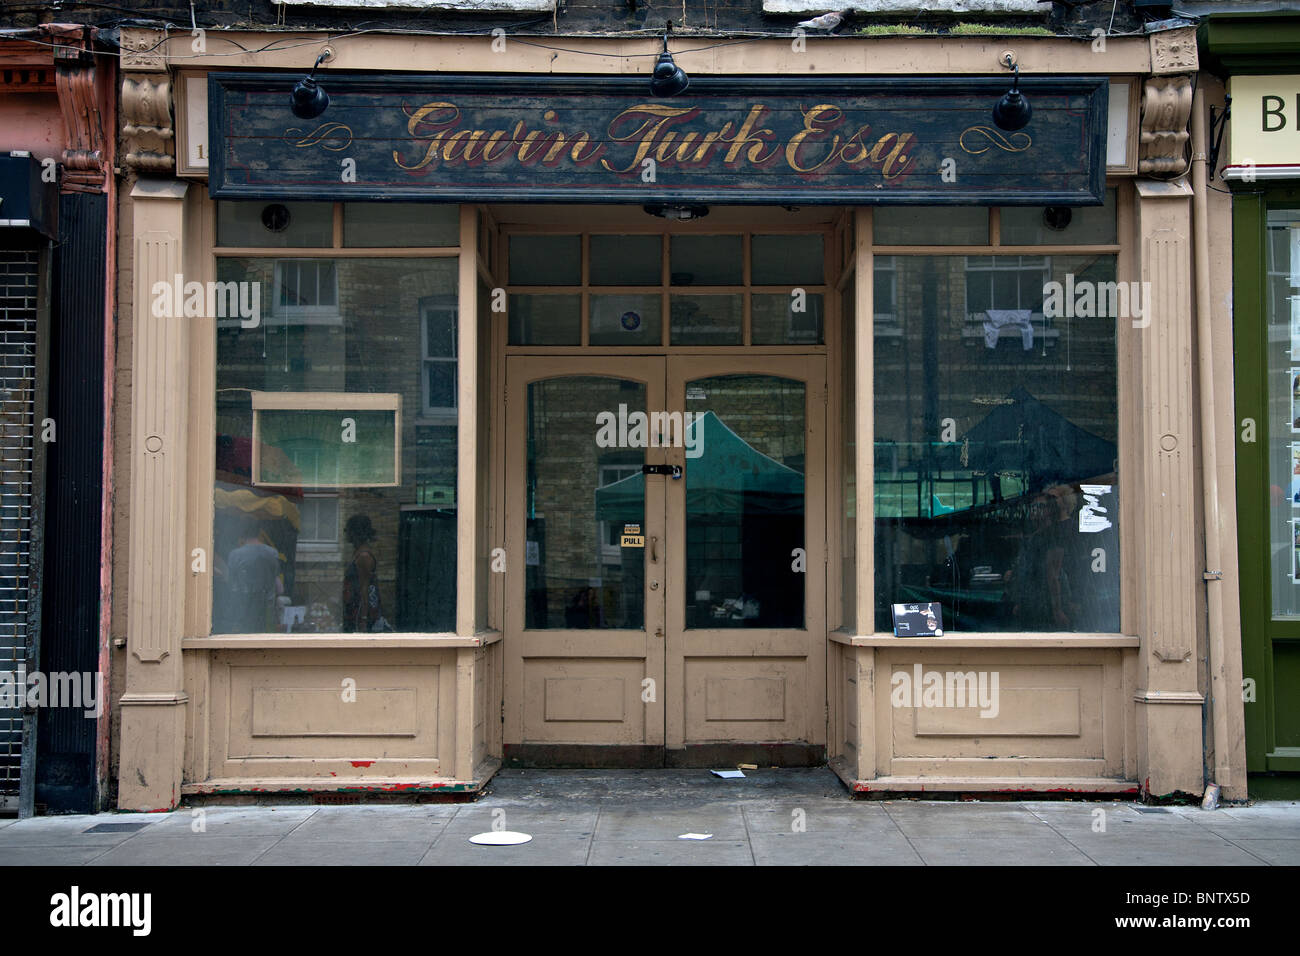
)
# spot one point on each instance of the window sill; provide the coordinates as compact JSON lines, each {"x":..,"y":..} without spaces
{"x":1068,"y":641}
{"x":328,"y":641}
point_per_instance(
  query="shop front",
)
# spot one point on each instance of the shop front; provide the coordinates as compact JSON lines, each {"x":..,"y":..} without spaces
{"x":528,"y":418}
{"x":1261,"y":165}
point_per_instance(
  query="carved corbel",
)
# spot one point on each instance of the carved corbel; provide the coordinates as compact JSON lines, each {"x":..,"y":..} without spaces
{"x":85,"y":167}
{"x":1162,"y":141}
{"x":149,"y":139}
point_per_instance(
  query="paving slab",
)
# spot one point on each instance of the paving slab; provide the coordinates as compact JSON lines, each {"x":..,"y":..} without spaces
{"x":233,"y":821}
{"x":829,"y":848}
{"x":957,"y":820}
{"x":195,"y":850}
{"x":416,"y":824}
{"x":549,"y":848}
{"x":351,"y":853}
{"x":670,"y":853}
{"x":1273,"y":852}
{"x":1160,"y":849}
{"x":1037,"y":850}
{"x":50,"y":855}
{"x":624,"y":824}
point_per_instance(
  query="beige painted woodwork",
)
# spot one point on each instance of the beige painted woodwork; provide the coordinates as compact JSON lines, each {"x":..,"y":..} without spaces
{"x":203,"y":713}
{"x":1168,"y":698}
{"x":737,"y":685}
{"x":153,"y":705}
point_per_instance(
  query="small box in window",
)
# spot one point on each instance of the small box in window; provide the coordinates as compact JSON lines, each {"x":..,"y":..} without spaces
{"x":918,"y":620}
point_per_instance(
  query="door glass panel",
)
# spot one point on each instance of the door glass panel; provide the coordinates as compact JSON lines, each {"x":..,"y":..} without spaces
{"x":1282,"y":304}
{"x":744,"y":502}
{"x":585,"y":497}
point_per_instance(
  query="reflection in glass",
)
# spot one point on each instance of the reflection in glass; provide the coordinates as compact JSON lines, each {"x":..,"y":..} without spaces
{"x":707,"y":319}
{"x":996,"y":441}
{"x":744,"y":502}
{"x":582,"y":499}
{"x":1282,"y":302}
{"x":321,"y":539}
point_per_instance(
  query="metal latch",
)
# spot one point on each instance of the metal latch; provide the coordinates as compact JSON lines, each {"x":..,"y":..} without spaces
{"x":672,"y":471}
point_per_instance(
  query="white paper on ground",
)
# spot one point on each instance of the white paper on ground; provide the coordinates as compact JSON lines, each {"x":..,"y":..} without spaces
{"x":727,"y":774}
{"x":500,"y":838}
{"x":695,"y":836}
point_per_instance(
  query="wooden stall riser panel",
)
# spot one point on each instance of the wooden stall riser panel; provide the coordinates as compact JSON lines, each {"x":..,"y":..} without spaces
{"x":1047,"y":713}
{"x":326,"y":714}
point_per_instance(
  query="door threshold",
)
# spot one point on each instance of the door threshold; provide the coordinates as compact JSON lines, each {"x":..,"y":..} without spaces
{"x":643,"y":757}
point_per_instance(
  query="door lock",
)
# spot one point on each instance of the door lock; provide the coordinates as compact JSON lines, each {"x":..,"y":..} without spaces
{"x":672,"y":471}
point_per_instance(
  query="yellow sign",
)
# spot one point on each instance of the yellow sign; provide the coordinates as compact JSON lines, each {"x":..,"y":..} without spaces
{"x":1265,"y":121}
{"x":633,"y":541}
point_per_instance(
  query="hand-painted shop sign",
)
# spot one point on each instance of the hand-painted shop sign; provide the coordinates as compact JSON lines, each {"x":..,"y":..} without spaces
{"x":600,"y":139}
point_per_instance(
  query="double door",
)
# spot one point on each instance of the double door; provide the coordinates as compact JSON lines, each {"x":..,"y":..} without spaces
{"x":665,"y":587}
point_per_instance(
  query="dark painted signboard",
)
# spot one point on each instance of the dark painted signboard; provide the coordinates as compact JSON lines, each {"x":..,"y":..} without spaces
{"x":600,"y":139}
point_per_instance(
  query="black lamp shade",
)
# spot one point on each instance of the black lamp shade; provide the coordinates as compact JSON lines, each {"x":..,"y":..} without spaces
{"x":669,"y":79}
{"x":308,"y":99}
{"x":1012,"y":112}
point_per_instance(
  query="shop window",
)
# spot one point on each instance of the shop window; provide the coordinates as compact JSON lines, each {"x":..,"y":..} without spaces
{"x":1282,"y":313}
{"x":707,"y":319}
{"x":787,"y":319}
{"x":885,"y":298}
{"x":996,"y":488}
{"x":320,"y":441}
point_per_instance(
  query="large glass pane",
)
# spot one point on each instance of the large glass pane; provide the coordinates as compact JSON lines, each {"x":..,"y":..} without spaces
{"x":707,"y":319}
{"x":996,"y":441}
{"x":585,"y":499}
{"x":744,"y":502}
{"x":1282,"y":302}
{"x":275,"y":225}
{"x":335,"y":499}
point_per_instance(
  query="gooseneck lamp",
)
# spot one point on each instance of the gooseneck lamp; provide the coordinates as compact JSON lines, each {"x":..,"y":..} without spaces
{"x":669,"y":79}
{"x":1012,"y":112}
{"x":309,"y":99}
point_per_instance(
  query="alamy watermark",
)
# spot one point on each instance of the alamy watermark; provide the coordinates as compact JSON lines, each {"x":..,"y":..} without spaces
{"x":1086,"y":299}
{"x":214,"y":300}
{"x":624,"y":429}
{"x":923,"y":688}
{"x":20,"y":690}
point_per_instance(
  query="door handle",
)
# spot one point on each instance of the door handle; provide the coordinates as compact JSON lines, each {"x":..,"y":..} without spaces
{"x":654,"y":550}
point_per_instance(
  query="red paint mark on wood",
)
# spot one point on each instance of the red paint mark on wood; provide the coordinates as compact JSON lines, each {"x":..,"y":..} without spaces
{"x":363,"y":763}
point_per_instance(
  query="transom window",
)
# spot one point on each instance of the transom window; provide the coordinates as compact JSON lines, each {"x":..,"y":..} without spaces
{"x":658,"y":290}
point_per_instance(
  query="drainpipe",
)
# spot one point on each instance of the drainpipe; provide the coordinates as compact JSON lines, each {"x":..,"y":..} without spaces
{"x":1213,"y":573}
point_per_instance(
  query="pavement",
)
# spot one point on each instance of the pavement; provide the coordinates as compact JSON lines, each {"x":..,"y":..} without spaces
{"x":608,"y":817}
